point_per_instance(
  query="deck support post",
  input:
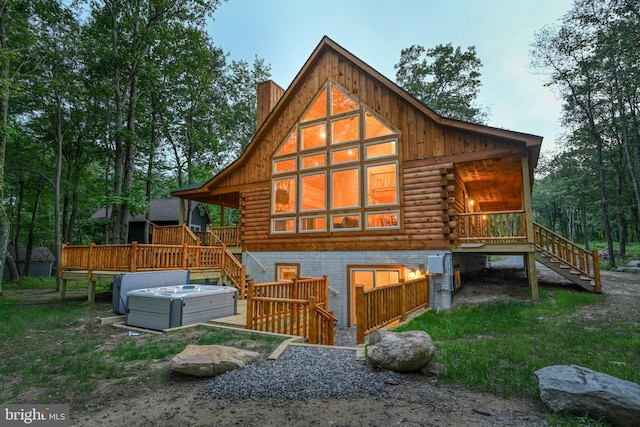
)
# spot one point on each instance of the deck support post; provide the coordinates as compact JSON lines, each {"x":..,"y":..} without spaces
{"x":181,"y":211}
{"x":63,"y":288}
{"x":91,"y":295}
{"x":532,"y":274}
{"x":530,"y":257}
{"x":361,"y":314}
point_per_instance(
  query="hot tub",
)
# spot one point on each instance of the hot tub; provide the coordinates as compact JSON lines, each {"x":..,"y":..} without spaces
{"x":171,"y":306}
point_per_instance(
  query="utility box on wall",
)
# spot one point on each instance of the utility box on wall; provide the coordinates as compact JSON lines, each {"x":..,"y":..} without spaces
{"x":435,"y":264}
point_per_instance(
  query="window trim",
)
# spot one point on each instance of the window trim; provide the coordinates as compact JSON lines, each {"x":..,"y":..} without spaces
{"x":311,"y":154}
{"x":341,"y":148}
{"x":366,"y":185}
{"x":281,"y":160}
{"x":327,"y":101}
{"x":279,"y":265}
{"x":288,"y":218}
{"x":346,"y":117}
{"x":300,"y":201}
{"x":340,"y":229}
{"x":332,"y":85}
{"x":273,"y":195}
{"x":317,"y":147}
{"x":357,"y":168}
{"x":301,"y":218}
{"x":387,"y":156}
{"x":392,"y":227}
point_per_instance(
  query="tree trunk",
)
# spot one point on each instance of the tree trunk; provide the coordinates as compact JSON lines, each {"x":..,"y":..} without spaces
{"x":5,"y":227}
{"x":30,"y":236}
{"x":116,"y":210}
{"x":586,"y":229}
{"x":57,"y":243}
{"x":603,"y":198}
{"x":13,"y":269}
{"x":17,"y":231}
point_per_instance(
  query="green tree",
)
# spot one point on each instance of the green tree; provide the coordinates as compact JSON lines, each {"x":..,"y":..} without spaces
{"x":16,"y":38}
{"x":444,"y":78}
{"x":123,"y":32}
{"x":591,"y":59}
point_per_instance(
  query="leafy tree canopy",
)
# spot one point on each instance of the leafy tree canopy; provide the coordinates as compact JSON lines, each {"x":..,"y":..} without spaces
{"x":444,"y":78}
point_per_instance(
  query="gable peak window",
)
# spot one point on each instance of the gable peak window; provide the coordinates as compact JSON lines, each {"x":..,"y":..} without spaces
{"x":337,"y":170}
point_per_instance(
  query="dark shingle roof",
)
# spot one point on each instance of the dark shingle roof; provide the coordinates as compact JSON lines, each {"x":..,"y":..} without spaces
{"x":159,"y":210}
{"x":38,"y":253}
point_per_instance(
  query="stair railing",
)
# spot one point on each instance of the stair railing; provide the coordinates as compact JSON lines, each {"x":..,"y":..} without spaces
{"x":563,"y":250}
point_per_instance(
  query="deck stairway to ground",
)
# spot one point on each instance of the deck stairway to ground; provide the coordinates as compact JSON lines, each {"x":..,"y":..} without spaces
{"x":571,"y":261}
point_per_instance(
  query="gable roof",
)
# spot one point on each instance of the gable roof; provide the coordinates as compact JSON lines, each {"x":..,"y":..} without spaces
{"x":159,"y":210}
{"x":38,"y":253}
{"x":532,"y":142}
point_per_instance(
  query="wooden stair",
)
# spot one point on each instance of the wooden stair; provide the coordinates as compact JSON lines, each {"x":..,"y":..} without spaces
{"x":566,"y":271}
{"x":571,"y":261}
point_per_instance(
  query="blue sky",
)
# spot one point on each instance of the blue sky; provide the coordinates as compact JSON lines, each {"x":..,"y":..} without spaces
{"x":285,"y":32}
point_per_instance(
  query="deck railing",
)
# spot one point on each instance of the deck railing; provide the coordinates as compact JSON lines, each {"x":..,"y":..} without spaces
{"x":181,"y":234}
{"x":174,"y":235}
{"x":137,"y":257}
{"x":229,"y":235}
{"x":294,"y":308}
{"x":378,"y":307}
{"x":492,"y":227}
{"x":563,"y":250}
{"x":298,"y":288}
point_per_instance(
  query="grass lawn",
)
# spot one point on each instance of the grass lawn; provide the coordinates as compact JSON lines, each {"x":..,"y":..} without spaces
{"x":497,"y":347}
{"x":58,"y":352}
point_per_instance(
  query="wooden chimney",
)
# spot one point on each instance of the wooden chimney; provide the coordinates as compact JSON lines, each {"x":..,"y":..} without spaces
{"x":269,"y":93}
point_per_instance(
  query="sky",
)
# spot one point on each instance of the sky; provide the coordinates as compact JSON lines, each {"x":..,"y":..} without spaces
{"x":285,"y":32}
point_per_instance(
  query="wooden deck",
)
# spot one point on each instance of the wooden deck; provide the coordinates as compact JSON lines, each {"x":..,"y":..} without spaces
{"x":96,"y":276}
{"x":238,"y":320}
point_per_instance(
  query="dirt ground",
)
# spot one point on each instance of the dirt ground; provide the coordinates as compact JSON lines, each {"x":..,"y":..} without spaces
{"x":184,"y":401}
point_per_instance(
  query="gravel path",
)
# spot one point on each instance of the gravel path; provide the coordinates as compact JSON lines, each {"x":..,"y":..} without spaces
{"x":304,"y":372}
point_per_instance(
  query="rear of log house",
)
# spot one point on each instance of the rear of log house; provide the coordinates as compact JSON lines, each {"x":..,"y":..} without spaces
{"x":351,"y":177}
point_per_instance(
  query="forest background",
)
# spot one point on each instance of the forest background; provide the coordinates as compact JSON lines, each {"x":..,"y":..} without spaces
{"x":112,"y":103}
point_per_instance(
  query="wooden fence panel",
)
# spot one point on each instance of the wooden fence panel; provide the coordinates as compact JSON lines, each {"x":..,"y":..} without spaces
{"x":378,"y":307}
{"x":270,"y":308}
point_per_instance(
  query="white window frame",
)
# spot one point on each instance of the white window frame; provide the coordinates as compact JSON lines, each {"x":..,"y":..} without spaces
{"x":311,"y":154}
{"x":366,"y":185}
{"x":324,"y":208}
{"x":359,"y":190}
{"x":284,"y":159}
{"x":288,"y":218}
{"x":348,"y":162}
{"x":302,"y":230}
{"x":358,"y":228}
{"x":317,"y":147}
{"x":392,"y":227}
{"x":345,"y":117}
{"x":368,"y":144}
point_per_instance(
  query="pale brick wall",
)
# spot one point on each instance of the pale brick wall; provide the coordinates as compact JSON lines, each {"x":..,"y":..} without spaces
{"x":334,"y":265}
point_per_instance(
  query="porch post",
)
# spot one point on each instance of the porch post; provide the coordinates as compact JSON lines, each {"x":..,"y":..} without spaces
{"x":530,"y":259}
{"x":181,"y":212}
{"x":221,"y":215}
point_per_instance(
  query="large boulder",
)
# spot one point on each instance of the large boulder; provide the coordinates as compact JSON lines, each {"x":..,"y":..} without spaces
{"x":211,"y":360}
{"x":581,"y":391}
{"x":402,"y":352}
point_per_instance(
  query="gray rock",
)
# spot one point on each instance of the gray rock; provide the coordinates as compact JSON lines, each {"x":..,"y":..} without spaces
{"x":211,"y":360}
{"x":634,"y":263}
{"x":401,"y":352}
{"x":581,"y":391}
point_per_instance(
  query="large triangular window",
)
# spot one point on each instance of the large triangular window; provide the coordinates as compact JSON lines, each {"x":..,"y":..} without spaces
{"x":337,"y":170}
